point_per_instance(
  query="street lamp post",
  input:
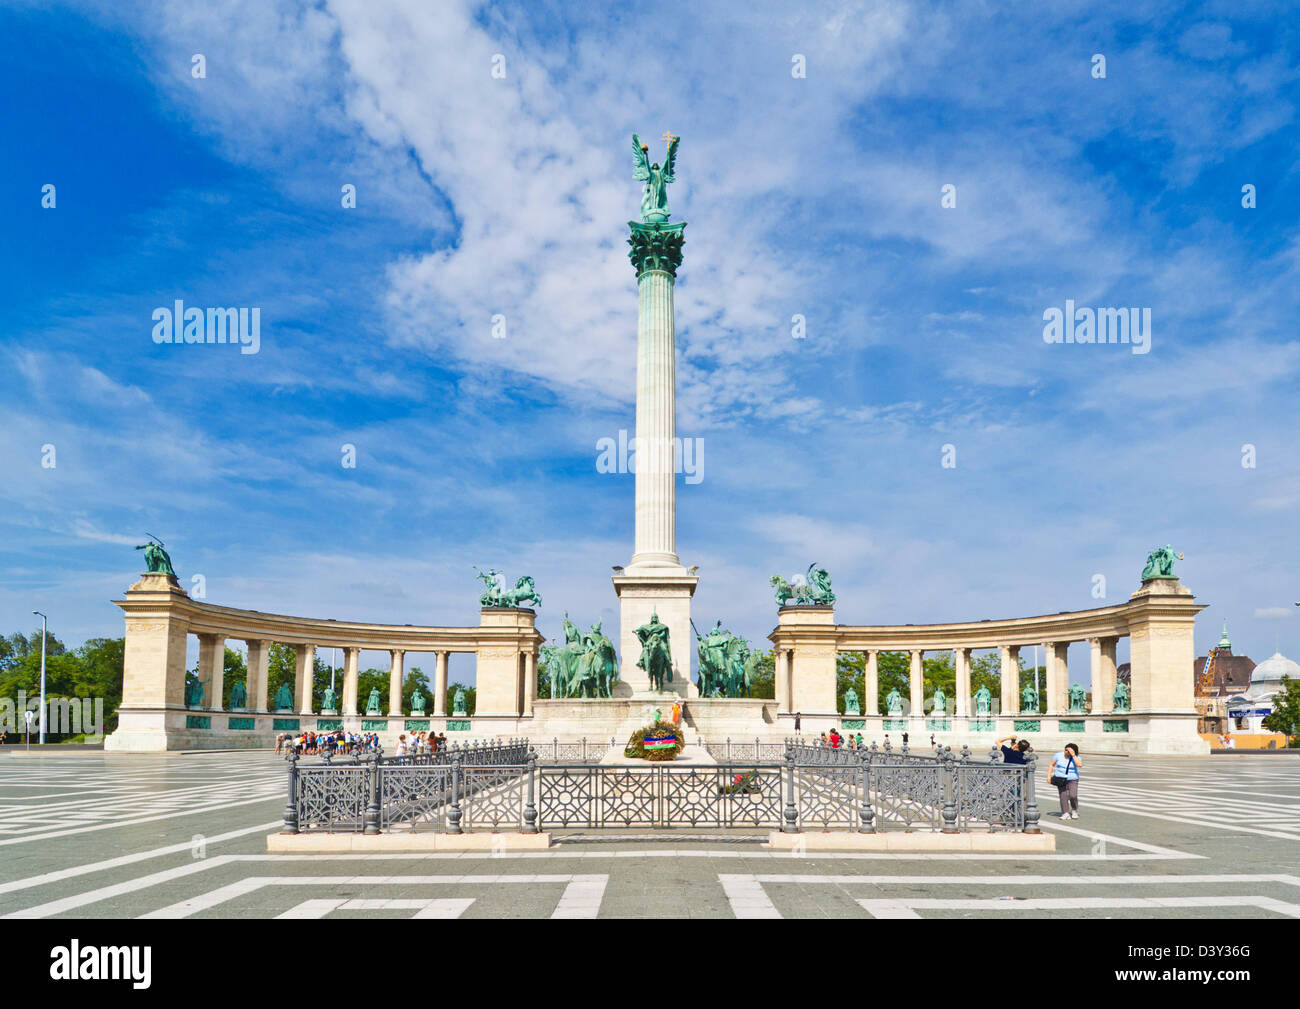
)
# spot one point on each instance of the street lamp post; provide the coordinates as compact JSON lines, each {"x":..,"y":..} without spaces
{"x":44,"y":622}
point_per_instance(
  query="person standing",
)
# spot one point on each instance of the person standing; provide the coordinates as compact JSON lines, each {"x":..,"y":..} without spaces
{"x":1065,"y":776}
{"x":798,"y":720}
{"x":1015,"y":753}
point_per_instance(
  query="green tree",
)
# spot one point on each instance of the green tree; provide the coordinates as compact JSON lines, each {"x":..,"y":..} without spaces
{"x":1285,"y":716}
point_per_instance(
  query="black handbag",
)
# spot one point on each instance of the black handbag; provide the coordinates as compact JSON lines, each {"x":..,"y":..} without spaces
{"x":1057,"y":780}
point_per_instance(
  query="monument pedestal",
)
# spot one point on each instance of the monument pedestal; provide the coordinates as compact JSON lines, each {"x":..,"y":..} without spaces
{"x":666,"y":591}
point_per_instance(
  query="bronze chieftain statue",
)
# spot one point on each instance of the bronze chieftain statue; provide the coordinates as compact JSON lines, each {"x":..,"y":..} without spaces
{"x":725,"y":662}
{"x":656,"y":655}
{"x":586,"y":665}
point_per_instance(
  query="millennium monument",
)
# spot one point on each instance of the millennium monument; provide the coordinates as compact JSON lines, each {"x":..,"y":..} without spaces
{"x":595,"y":691}
{"x":654,"y":587}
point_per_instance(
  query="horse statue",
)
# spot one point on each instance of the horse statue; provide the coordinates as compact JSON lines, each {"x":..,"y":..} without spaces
{"x":524,"y":590}
{"x":1160,"y":563}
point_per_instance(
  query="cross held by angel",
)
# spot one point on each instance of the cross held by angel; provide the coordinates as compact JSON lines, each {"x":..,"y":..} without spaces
{"x":654,"y":203}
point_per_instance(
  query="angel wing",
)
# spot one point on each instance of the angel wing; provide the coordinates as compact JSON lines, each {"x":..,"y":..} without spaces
{"x":671,"y":160}
{"x":640,"y":163}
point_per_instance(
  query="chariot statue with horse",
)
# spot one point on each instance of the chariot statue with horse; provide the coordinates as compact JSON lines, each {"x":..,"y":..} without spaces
{"x":815,"y":590}
{"x":496,"y":595}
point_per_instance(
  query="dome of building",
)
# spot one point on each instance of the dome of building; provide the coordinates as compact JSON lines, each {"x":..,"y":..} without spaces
{"x":1272,"y":669}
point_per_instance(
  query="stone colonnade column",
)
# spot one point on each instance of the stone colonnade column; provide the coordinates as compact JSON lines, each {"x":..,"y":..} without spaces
{"x":871,"y":686}
{"x":440,"y":684}
{"x":212,"y":668}
{"x":961,"y":659}
{"x":259,"y":658}
{"x":395,"y":656}
{"x":916,"y":687}
{"x":781,"y":680}
{"x":530,"y":681}
{"x":1102,"y":667}
{"x":1058,"y":675}
{"x":1010,"y":679}
{"x":351,"y":675}
{"x":304,"y":677}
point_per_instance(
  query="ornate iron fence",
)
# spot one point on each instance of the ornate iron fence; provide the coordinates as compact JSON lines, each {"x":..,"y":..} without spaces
{"x":504,"y":787}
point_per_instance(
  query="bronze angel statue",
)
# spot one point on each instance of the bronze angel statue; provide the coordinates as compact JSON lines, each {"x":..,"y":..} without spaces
{"x":654,"y":204}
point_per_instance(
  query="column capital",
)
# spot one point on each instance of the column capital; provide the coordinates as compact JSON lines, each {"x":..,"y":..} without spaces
{"x":656,"y":247}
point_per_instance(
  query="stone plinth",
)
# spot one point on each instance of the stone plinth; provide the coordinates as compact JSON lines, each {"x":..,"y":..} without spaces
{"x":666,"y":591}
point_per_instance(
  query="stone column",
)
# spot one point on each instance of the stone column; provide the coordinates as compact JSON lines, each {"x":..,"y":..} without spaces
{"x":656,"y":254}
{"x":351,"y":677}
{"x":916,"y":689}
{"x":654,"y":582}
{"x":781,"y":681}
{"x":395,"y":656}
{"x":305,"y":677}
{"x":872,"y":684}
{"x":1161,"y":618}
{"x":530,"y":681}
{"x":1010,"y":679}
{"x":440,"y":684}
{"x":259,"y":658}
{"x":789,"y":678}
{"x":961,"y":659}
{"x":1058,"y":675}
{"x":1103,"y":675}
{"x":212,"y":668}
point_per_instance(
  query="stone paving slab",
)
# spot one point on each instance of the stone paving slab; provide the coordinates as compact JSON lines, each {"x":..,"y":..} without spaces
{"x":96,"y":836}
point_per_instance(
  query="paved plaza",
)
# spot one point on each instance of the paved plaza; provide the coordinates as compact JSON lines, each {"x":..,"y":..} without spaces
{"x":183,"y":836}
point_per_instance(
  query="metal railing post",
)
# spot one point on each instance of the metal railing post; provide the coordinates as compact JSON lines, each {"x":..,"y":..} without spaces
{"x":949,"y":793}
{"x":530,"y":807}
{"x":866,"y":815}
{"x":791,"y":813}
{"x":453,"y":811}
{"x":1031,"y":797}
{"x":291,"y":806}
{"x":372,"y":809}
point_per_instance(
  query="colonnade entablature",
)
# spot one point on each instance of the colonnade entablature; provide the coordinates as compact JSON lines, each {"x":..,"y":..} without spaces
{"x":1158,"y":620}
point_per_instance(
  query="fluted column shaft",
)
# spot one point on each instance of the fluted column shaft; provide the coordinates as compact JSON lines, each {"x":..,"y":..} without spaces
{"x":656,"y":383}
{"x":440,"y":684}
{"x":395,"y":681}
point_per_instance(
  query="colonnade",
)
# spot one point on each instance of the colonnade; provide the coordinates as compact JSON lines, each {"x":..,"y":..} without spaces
{"x":160,"y":616}
{"x":1158,"y":621}
{"x":211,"y":673}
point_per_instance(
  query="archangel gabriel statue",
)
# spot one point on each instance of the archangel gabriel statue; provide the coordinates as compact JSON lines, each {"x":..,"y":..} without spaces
{"x":654,"y":203}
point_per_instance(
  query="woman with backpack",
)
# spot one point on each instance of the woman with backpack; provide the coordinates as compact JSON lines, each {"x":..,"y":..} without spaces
{"x":1064,"y":774}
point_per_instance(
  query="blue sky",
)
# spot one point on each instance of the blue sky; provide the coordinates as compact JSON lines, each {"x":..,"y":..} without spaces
{"x":816,"y":196}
